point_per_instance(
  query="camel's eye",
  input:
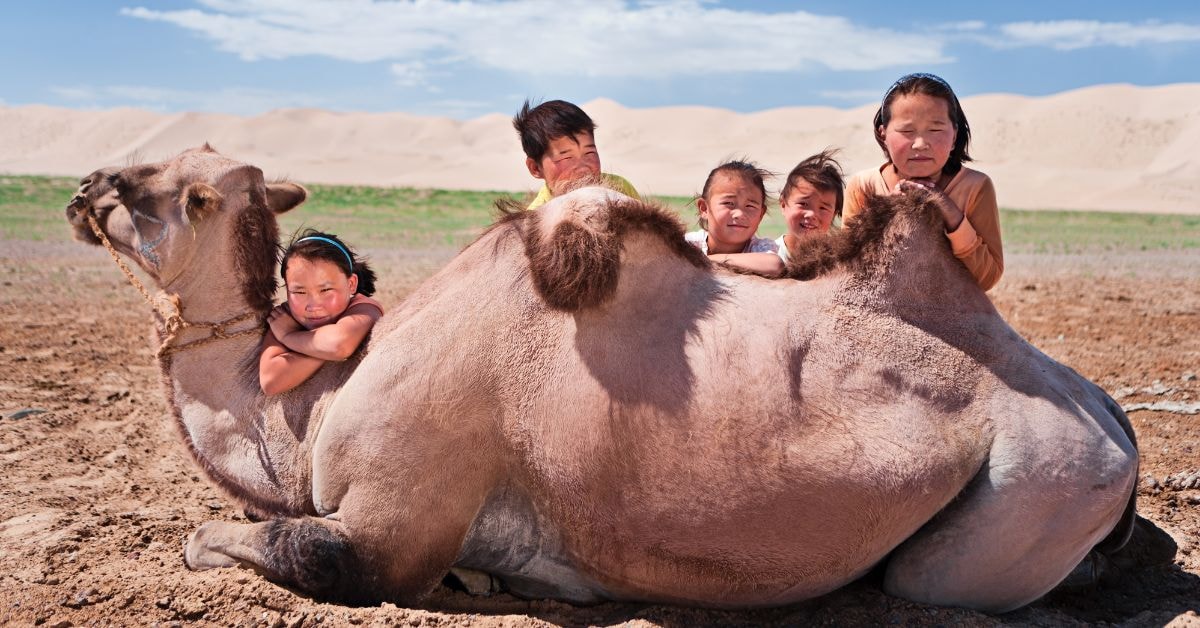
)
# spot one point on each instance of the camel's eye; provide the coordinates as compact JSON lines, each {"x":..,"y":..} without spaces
{"x":114,"y":179}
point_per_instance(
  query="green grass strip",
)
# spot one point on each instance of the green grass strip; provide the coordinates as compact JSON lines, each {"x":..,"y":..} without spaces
{"x":32,"y":208}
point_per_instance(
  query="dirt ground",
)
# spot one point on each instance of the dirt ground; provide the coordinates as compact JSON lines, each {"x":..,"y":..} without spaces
{"x":96,"y":496}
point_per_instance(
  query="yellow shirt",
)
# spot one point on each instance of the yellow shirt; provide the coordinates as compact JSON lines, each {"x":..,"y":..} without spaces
{"x":976,"y":241}
{"x":610,"y":180}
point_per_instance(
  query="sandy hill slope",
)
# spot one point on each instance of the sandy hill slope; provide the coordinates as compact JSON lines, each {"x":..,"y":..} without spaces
{"x":1111,"y":147}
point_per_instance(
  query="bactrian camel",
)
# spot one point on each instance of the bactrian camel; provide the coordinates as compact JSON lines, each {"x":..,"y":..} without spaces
{"x":583,"y":407}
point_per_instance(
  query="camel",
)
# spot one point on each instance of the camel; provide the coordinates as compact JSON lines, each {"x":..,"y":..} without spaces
{"x":581,"y":406}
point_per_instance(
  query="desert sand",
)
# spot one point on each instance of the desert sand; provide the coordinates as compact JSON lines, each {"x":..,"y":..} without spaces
{"x":1109,"y":147}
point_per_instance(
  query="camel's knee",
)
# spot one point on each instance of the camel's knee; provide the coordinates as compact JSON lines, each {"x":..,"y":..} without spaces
{"x":312,"y":557}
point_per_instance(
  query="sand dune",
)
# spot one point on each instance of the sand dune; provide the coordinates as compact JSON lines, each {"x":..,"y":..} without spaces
{"x":1111,"y":147}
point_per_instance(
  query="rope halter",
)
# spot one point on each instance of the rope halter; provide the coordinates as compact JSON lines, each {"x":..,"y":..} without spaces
{"x":172,"y":317}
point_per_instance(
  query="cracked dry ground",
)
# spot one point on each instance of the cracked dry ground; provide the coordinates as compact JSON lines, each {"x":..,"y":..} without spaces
{"x":96,"y":496}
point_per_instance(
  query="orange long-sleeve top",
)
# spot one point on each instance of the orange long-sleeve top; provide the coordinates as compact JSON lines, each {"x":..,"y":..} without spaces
{"x":976,"y":241}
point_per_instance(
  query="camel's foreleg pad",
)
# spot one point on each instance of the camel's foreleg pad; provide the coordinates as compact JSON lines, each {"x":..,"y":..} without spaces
{"x":308,"y":553}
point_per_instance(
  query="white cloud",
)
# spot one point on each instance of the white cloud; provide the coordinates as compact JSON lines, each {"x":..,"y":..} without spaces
{"x":858,"y":96}
{"x":1077,"y":34}
{"x":452,"y":108}
{"x":410,"y":74}
{"x":74,"y":93}
{"x":599,"y":38}
{"x":236,"y":100}
{"x":968,"y":25}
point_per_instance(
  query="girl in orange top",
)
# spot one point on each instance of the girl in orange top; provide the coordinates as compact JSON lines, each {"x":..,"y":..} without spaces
{"x":327,"y":315}
{"x":924,"y":134}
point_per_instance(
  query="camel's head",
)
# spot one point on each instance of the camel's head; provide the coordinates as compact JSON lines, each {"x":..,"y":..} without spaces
{"x":171,"y":215}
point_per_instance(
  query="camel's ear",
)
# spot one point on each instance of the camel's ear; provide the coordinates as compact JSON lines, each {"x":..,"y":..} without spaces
{"x":282,"y":197}
{"x":201,"y":199}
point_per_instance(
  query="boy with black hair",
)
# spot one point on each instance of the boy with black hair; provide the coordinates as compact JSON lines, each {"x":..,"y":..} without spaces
{"x":560,"y":147}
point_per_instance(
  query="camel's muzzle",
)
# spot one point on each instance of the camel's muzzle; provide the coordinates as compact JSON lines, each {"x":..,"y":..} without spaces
{"x":92,"y":189}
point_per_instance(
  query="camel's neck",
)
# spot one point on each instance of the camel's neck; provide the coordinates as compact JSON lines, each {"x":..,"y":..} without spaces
{"x":243,"y":440}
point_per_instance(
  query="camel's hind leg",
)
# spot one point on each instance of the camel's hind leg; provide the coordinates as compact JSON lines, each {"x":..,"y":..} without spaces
{"x":308,"y":553}
{"x":1027,"y":519}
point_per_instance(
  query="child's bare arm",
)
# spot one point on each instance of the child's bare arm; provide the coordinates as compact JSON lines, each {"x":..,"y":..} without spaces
{"x":280,"y":370}
{"x":767,"y":264}
{"x":335,"y":341}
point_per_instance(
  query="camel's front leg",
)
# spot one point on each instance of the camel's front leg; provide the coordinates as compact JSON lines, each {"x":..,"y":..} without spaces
{"x":309,"y":553}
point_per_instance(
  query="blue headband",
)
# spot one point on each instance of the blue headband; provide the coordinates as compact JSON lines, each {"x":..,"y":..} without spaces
{"x":915,"y":75}
{"x":335,"y":244}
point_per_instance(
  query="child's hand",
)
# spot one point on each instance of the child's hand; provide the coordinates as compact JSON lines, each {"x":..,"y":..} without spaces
{"x":281,"y":322}
{"x":951,"y":214}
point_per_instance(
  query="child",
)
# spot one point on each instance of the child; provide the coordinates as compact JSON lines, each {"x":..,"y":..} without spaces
{"x":327,"y":315}
{"x":924,"y":134}
{"x":731,"y":204}
{"x":811,"y":198}
{"x":560,"y":147}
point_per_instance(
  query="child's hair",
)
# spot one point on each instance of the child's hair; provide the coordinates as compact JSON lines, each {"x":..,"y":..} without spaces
{"x":821,"y":171}
{"x":547,"y":122}
{"x":936,"y":87}
{"x":312,"y":244}
{"x":748,"y":170}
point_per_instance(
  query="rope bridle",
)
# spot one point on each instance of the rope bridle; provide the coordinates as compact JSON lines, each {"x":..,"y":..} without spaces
{"x":173,"y":321}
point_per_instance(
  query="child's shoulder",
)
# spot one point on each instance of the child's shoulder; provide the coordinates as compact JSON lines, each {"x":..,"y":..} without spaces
{"x":867,"y":179}
{"x":970,"y":179}
{"x":361,"y":299}
{"x":620,"y":184}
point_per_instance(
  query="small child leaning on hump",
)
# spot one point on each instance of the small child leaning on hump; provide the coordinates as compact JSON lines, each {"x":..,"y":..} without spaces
{"x":731,"y":204}
{"x":810,"y":199}
{"x":327,"y":315}
{"x":560,"y":147}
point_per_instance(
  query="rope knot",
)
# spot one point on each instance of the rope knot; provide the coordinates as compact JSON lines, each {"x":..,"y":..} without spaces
{"x":172,"y":312}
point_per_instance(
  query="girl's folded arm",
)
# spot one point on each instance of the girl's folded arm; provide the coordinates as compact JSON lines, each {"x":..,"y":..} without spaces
{"x":338,"y":340}
{"x":280,"y":370}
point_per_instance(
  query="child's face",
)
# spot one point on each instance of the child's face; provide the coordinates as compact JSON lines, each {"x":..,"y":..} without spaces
{"x":317,"y":290}
{"x":568,"y":158}
{"x":807,"y":210}
{"x":733,"y":209}
{"x":920,"y":135}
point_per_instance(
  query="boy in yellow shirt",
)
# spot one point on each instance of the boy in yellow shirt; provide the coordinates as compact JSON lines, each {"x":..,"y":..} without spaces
{"x":560,"y":146}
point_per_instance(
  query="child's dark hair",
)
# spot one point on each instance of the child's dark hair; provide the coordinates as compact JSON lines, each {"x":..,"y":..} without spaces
{"x":740,"y":167}
{"x":547,"y":122}
{"x":821,"y":171}
{"x":312,"y":244}
{"x":936,"y":87}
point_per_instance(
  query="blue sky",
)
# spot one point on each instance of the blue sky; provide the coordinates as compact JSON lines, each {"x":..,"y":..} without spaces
{"x":465,"y":58}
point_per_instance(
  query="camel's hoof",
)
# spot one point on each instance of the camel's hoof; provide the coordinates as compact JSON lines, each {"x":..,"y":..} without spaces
{"x":197,"y":554}
{"x":474,"y":582}
{"x":1087,"y":573}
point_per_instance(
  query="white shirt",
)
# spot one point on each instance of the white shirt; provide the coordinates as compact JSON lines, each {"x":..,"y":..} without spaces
{"x":699,"y":239}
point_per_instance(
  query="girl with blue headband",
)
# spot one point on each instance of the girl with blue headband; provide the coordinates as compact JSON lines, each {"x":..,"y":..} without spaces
{"x":327,"y":315}
{"x":924,"y":134}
